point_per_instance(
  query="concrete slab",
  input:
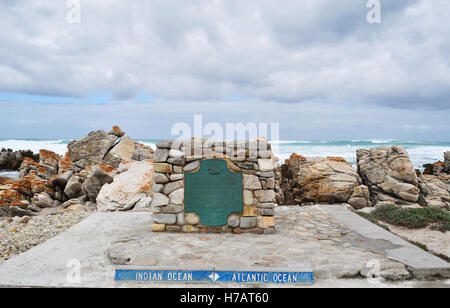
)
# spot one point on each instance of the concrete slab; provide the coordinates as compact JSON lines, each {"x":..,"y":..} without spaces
{"x":421,"y":263}
{"x":308,"y":239}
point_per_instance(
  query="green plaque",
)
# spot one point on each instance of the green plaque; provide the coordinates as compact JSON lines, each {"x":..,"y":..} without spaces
{"x":213,"y":193}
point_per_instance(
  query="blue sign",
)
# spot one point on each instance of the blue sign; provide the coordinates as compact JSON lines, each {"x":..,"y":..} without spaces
{"x":214,"y":276}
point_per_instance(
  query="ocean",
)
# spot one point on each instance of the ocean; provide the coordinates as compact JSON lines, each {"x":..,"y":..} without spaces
{"x":420,"y":152}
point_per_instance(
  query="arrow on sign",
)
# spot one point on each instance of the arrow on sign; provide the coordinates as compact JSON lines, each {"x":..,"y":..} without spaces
{"x":214,"y":277}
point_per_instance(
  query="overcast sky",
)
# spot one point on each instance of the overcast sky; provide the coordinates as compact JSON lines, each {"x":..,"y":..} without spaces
{"x":317,"y":67}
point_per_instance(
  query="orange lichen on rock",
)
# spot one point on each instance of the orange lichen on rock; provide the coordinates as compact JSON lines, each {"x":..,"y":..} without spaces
{"x":29,"y":162}
{"x":337,"y":159}
{"x":295,"y":156}
{"x":106,"y":168}
{"x":65,"y":163}
{"x":117,"y":130}
{"x":46,"y":154}
{"x":11,"y":195}
{"x":3,"y":202}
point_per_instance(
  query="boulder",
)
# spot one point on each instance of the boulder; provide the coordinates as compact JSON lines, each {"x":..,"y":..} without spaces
{"x":132,"y":185}
{"x":42,"y":200}
{"x":74,"y":187}
{"x":97,"y":177}
{"x":10,"y":160}
{"x":50,"y":161}
{"x":122,"y":151}
{"x":116,"y":131}
{"x":142,"y":152}
{"x":326,"y":180}
{"x":360,"y":198}
{"x":62,"y":179}
{"x":389,"y":174}
{"x":434,"y":191}
{"x":91,"y":149}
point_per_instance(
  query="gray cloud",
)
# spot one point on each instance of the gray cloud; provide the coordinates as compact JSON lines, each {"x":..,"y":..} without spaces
{"x":172,"y":49}
{"x":317,"y":67}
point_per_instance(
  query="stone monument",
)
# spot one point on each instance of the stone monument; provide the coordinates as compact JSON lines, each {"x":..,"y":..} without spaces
{"x":206,"y":186}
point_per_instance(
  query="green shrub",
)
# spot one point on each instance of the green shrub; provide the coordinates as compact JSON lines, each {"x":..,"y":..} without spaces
{"x":413,"y":218}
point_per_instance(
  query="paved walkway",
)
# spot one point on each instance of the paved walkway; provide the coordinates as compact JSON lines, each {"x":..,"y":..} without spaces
{"x":308,"y":239}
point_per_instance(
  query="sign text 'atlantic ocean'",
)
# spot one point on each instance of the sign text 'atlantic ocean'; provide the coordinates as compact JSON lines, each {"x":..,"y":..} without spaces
{"x":214,"y":276}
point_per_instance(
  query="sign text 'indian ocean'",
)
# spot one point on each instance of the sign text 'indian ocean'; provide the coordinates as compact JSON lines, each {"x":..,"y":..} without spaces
{"x":214,"y":276}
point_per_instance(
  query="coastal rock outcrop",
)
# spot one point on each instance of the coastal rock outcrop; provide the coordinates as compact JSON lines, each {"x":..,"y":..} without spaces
{"x":122,"y":151}
{"x":131,"y":188}
{"x":435,"y":191}
{"x":50,"y":180}
{"x":11,"y":161}
{"x":322,"y":180}
{"x":389,"y":174}
{"x":92,"y":149}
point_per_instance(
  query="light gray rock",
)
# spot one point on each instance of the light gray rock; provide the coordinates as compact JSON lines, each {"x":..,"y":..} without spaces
{"x":176,"y":154}
{"x":142,"y":152}
{"x":143,"y":203}
{"x":91,"y":149}
{"x":80,"y":200}
{"x":158,"y":188}
{"x":167,"y":219}
{"x":248,"y":197}
{"x":434,"y":191}
{"x":251,"y":182}
{"x":177,"y":161}
{"x":42,"y":200}
{"x":122,"y":151}
{"x":172,"y":186}
{"x":74,"y":187}
{"x":176,"y":177}
{"x":234,"y":221}
{"x":161,"y":155}
{"x":265,"y":165}
{"x":177,"y":197}
{"x":264,"y":196}
{"x":249,"y":222}
{"x":164,"y":145}
{"x":267,"y":205}
{"x":267,"y":212}
{"x":389,"y":174}
{"x":128,"y":188}
{"x":192,"y":166}
{"x":161,"y":178}
{"x":172,"y":209}
{"x":160,"y":200}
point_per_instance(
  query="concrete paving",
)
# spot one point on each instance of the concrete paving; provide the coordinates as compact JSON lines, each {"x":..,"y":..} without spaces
{"x":307,"y":239}
{"x":421,"y":263}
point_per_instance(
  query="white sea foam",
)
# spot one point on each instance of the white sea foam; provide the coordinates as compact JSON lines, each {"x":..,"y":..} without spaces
{"x":420,"y":153}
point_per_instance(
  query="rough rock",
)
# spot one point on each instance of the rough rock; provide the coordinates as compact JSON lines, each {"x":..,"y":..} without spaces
{"x":142,"y":152}
{"x":360,"y":198}
{"x":435,"y":191}
{"x":122,"y":151}
{"x":389,"y":174}
{"x":91,"y":149}
{"x":11,"y":161}
{"x":62,"y":179}
{"x":74,"y":187}
{"x":327,"y":180}
{"x":97,"y":177}
{"x":128,"y":188}
{"x":42,"y":200}
{"x":116,"y":131}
